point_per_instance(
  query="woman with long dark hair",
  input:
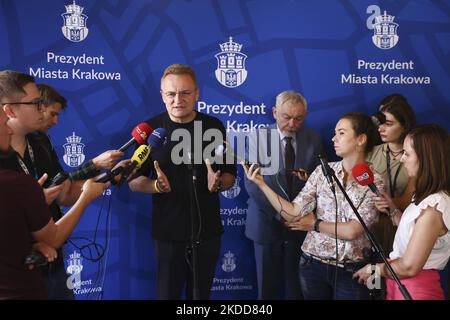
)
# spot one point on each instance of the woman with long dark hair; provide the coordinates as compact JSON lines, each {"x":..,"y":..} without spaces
{"x":422,"y":241}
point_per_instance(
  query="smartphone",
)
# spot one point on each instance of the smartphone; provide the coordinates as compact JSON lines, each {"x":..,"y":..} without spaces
{"x":303,"y":173}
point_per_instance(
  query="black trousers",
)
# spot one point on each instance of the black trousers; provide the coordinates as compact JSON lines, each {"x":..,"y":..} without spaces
{"x":174,"y":272}
{"x":277,"y":270}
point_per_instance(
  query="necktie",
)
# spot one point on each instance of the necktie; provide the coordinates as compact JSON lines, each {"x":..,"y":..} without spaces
{"x":289,"y":160}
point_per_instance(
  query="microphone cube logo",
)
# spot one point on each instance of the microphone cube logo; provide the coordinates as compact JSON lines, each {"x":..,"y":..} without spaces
{"x":363,"y":177}
{"x":74,"y":28}
{"x":73,"y":151}
{"x":384,"y":28}
{"x":234,"y":191}
{"x":231,"y":71}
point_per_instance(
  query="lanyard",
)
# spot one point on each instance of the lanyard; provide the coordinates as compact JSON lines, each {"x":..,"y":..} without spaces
{"x":22,"y":163}
{"x":392,"y":184}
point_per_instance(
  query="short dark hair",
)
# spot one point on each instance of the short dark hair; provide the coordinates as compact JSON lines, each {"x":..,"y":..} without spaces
{"x":432,"y":146}
{"x":12,"y":83}
{"x":402,"y":111}
{"x":362,"y":124}
{"x":180,"y":69}
{"x":50,"y":96}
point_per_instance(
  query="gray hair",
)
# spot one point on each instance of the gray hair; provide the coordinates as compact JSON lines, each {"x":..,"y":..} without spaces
{"x":291,"y":96}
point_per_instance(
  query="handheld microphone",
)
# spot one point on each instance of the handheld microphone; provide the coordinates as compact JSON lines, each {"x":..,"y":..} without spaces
{"x":139,"y":134}
{"x":326,"y":171}
{"x":157,"y":140}
{"x":140,"y":155}
{"x":364,"y":176}
{"x":220,"y":150}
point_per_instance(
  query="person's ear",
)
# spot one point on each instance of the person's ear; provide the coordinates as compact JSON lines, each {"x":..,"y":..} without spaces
{"x":9,"y":110}
{"x":362,"y":140}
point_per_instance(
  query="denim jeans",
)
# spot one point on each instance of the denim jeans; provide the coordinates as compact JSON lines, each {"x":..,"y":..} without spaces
{"x":317,"y":281}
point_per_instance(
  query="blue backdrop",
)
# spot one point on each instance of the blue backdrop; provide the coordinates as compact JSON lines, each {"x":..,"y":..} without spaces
{"x":106,"y":57}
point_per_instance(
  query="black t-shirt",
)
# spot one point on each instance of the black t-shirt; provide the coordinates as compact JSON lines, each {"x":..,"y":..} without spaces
{"x":23,"y":210}
{"x":171,"y":211}
{"x":45,"y":161}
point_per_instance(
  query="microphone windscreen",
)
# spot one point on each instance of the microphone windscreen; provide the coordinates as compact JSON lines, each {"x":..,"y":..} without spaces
{"x":140,"y":155}
{"x":141,"y":133}
{"x":362,"y":174}
{"x":158,"y":138}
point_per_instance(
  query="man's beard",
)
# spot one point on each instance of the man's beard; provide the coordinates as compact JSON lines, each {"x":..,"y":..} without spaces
{"x":4,"y":154}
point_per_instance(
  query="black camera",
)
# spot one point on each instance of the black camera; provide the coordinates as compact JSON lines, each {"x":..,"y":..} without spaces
{"x":58,"y":179}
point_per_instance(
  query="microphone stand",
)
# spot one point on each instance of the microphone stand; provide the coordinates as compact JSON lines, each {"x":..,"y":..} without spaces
{"x":194,"y":242}
{"x":372,"y":239}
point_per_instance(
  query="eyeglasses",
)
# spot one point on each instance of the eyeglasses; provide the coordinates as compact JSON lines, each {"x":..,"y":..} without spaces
{"x":40,"y":103}
{"x":182,"y":94}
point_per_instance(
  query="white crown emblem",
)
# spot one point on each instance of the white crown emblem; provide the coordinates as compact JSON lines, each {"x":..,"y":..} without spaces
{"x":229,"y":262}
{"x":74,"y":255}
{"x":385,"y":18}
{"x":74,"y":268}
{"x":231,"y":70}
{"x":230,"y":46}
{"x":73,"y":151}
{"x":74,"y":28}
{"x":385,"y":31}
{"x":73,"y":138}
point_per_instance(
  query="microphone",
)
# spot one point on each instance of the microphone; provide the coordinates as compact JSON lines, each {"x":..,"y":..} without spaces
{"x":326,"y":171}
{"x":378,"y":119}
{"x":364,"y":176}
{"x":220,"y":150}
{"x":139,"y":134}
{"x":157,"y":140}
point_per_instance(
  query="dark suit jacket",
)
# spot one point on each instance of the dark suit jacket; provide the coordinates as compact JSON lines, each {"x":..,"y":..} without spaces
{"x":264,"y":225}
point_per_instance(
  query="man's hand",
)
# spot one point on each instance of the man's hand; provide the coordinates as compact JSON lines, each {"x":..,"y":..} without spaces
{"x":47,"y":251}
{"x":50,"y":193}
{"x":92,"y":190}
{"x":213,"y":178}
{"x":107,"y":159}
{"x":161,"y":180}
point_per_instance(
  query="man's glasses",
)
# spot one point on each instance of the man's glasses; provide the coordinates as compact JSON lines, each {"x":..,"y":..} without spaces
{"x":40,"y":103}
{"x":182,"y":94}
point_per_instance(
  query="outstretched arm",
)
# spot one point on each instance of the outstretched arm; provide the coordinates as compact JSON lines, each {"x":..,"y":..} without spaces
{"x":289,"y":211}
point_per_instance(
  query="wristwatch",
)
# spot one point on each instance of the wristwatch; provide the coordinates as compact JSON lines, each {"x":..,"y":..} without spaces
{"x":316,"y":225}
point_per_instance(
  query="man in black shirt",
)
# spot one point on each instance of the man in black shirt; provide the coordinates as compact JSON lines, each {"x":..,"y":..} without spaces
{"x":171,"y":184}
{"x":54,"y":103}
{"x":36,"y":157}
{"x":24,"y":214}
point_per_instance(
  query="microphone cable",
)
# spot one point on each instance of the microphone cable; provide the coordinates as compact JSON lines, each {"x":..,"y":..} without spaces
{"x":92,"y":250}
{"x":336,"y":244}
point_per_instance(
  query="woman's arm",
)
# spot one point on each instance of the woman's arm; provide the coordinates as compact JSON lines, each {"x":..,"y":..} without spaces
{"x":429,"y":226}
{"x":345,"y":230}
{"x":289,"y":211}
{"x":404,"y":200}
